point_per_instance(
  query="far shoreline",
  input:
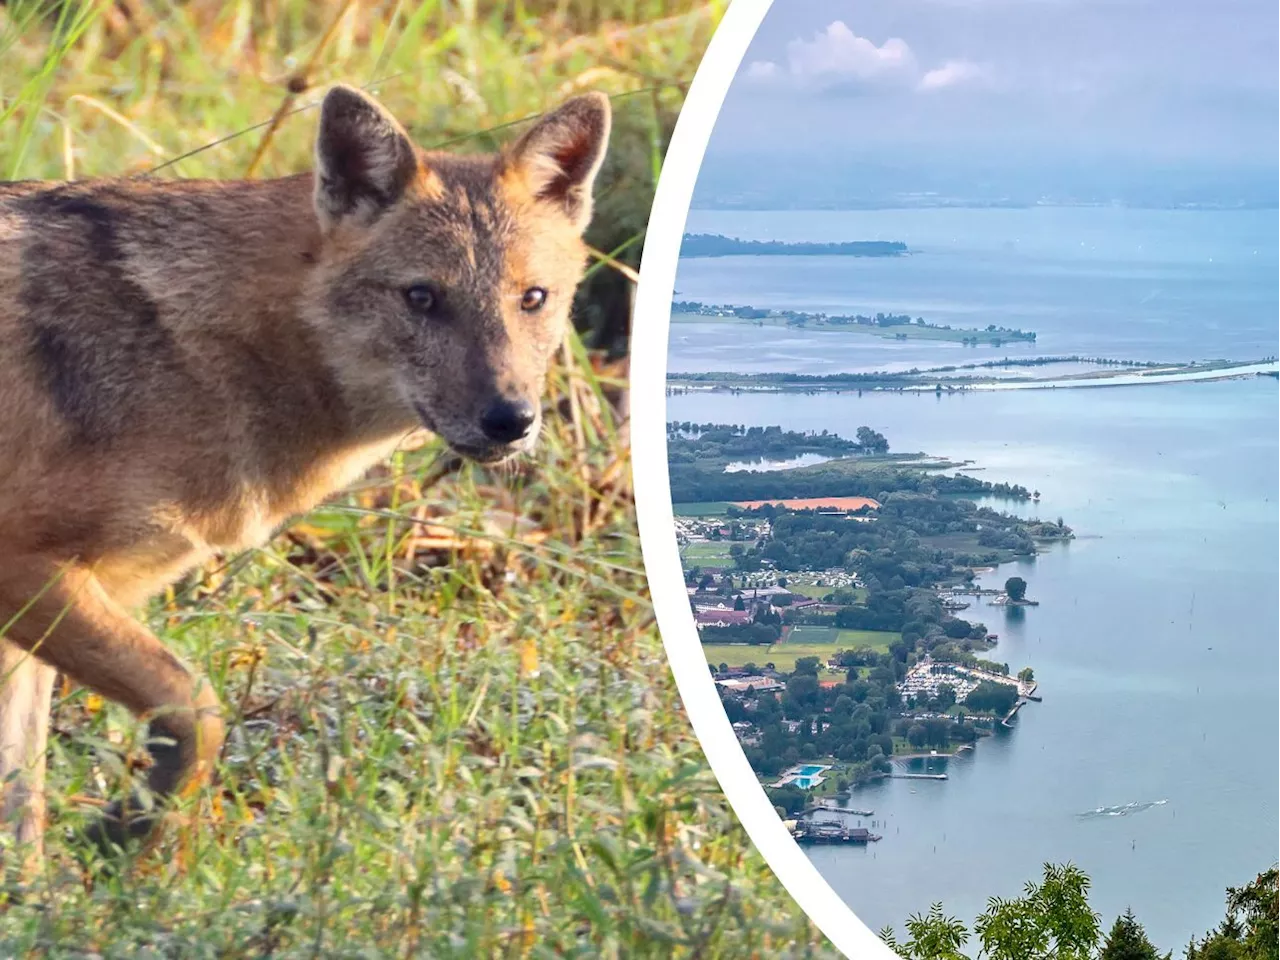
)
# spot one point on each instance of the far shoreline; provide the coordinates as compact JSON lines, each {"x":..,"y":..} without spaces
{"x":1194,"y":372}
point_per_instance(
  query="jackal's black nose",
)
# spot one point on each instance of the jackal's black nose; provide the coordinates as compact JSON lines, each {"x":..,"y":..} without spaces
{"x":508,"y":421}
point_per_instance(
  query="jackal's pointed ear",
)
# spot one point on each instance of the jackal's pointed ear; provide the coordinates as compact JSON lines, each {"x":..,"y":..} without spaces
{"x":364,"y":160}
{"x":559,"y":157}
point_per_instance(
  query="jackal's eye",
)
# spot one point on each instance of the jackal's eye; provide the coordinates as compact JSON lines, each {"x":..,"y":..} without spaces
{"x":421,"y":296}
{"x":533,"y":299}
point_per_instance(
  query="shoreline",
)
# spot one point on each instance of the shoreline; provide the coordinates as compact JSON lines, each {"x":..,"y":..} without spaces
{"x":906,"y":383}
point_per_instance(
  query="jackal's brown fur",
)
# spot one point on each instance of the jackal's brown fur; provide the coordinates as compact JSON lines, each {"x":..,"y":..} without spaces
{"x":183,"y":365}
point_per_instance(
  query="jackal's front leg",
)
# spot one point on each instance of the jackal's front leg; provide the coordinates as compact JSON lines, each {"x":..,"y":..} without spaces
{"x":26,"y":692}
{"x":71,"y":624}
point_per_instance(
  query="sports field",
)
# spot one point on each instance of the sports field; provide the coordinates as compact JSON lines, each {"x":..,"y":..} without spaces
{"x":698,"y":552}
{"x":709,"y":509}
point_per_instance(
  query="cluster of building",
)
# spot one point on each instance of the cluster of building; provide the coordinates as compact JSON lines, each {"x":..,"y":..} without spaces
{"x":721,"y":609}
{"x":750,"y":683}
{"x":829,"y":580}
{"x":712,"y":529}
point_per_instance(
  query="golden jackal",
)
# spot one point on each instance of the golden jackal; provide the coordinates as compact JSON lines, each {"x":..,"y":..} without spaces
{"x":183,"y":365}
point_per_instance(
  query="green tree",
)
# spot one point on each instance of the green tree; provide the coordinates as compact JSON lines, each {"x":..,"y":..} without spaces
{"x":1026,"y":674}
{"x":1258,"y":906}
{"x":1016,"y":588}
{"x":946,"y":697}
{"x":739,"y":604}
{"x":1051,"y":919}
{"x":1250,"y":930}
{"x":1128,"y":941}
{"x":1012,"y":930}
{"x":871,"y":441}
{"x":807,"y":665}
{"x":931,"y":936}
{"x":999,"y":698}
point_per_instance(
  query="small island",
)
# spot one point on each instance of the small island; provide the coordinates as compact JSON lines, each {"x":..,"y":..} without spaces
{"x":715,"y":245}
{"x":893,"y":326}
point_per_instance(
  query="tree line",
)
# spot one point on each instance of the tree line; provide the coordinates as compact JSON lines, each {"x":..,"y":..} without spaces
{"x":1053,"y":920}
{"x":718,"y":245}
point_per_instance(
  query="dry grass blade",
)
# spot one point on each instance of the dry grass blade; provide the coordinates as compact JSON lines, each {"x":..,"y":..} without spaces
{"x":298,"y":84}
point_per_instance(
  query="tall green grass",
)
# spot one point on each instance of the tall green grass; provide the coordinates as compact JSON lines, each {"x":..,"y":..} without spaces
{"x":452,"y":731}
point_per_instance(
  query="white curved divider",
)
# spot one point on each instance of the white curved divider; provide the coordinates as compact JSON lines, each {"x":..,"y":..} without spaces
{"x":653,"y":491}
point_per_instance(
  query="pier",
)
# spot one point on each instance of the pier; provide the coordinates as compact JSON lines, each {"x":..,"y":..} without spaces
{"x":833,"y":808}
{"x":918,"y":776}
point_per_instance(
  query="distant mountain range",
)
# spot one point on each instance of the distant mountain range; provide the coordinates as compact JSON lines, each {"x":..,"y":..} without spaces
{"x":765,"y":182}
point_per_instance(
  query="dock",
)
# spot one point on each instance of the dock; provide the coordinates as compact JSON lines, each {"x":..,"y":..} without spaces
{"x":834,"y":808}
{"x":918,"y":776}
{"x":1027,"y":694}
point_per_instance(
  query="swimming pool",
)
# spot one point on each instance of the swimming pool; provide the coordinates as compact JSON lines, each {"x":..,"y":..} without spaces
{"x":806,"y":776}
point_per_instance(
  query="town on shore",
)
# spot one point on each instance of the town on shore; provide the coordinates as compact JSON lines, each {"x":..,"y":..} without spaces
{"x":832,"y":625}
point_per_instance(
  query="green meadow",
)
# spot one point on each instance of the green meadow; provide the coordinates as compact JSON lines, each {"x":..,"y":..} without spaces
{"x":821,"y":642}
{"x":716,"y":508}
{"x":696,"y":553}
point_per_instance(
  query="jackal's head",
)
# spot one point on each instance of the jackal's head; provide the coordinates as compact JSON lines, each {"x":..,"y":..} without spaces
{"x":445,"y":281}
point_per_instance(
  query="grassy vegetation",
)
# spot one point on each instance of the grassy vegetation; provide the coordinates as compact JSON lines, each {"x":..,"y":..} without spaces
{"x":705,"y":551}
{"x":810,"y":590}
{"x":877,"y":640}
{"x":812,"y":636}
{"x":817,"y":593}
{"x":783,"y":656}
{"x":709,"y":509}
{"x":740,"y":654}
{"x":452,"y":731}
{"x":902,"y":748}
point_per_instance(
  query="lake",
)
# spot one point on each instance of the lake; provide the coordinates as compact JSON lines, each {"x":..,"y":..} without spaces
{"x":1152,"y":761}
{"x":1123,"y":284}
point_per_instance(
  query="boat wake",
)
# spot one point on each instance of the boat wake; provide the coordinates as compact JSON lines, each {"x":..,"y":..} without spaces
{"x":1123,"y":810}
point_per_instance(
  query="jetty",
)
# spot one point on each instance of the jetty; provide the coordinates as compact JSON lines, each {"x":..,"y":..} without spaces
{"x":969,"y":591}
{"x":1027,"y":691}
{"x":821,"y":807}
{"x":918,"y":776}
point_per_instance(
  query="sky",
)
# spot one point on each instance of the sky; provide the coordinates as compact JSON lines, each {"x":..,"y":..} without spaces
{"x":1065,"y":96}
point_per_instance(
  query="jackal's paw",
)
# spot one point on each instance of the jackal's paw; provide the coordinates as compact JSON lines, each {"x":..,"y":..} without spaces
{"x":121,"y":828}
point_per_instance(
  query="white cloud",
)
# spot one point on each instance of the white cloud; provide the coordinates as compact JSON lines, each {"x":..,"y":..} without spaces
{"x":837,"y":58}
{"x":951,"y":74}
{"x":762,"y":70}
{"x":838,"y":54}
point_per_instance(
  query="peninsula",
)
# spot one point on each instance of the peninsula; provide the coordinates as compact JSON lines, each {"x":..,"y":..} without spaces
{"x":715,"y":245}
{"x":828,"y":597}
{"x":892,"y":326}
